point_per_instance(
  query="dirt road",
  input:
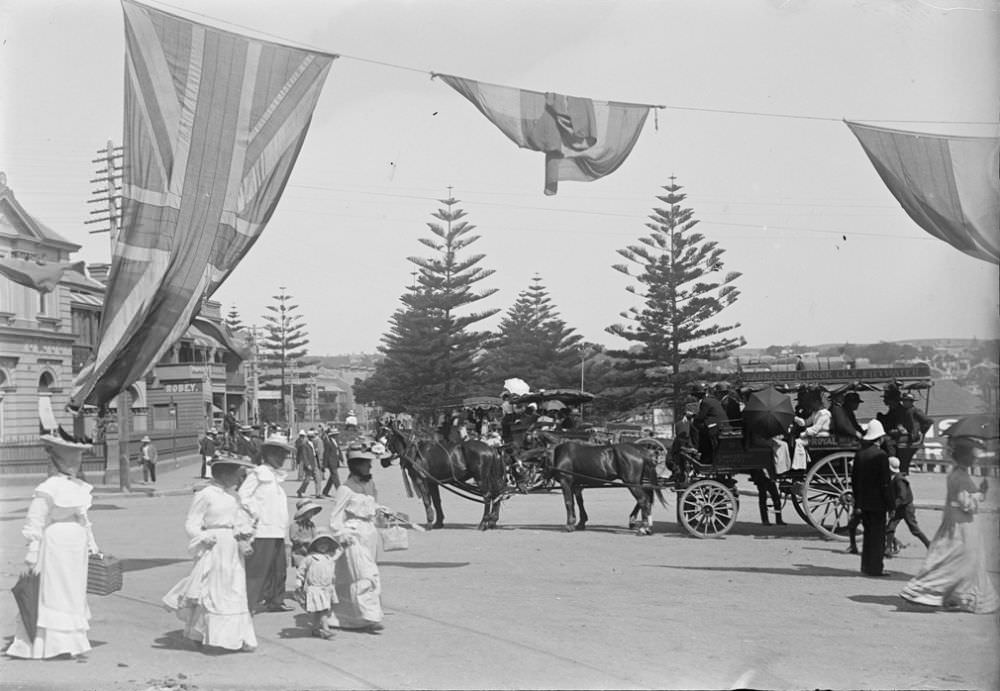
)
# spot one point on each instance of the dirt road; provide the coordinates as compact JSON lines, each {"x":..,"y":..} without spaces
{"x":529,"y":606}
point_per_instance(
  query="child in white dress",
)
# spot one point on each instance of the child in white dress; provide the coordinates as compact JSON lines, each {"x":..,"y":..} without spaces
{"x":316,"y":581}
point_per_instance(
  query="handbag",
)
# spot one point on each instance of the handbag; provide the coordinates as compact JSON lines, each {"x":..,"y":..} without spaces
{"x":104,"y":574}
{"x":394,"y":537}
{"x":26,"y":596}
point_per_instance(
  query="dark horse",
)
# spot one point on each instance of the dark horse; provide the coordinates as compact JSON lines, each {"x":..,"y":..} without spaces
{"x":429,"y":464}
{"x":575,"y":466}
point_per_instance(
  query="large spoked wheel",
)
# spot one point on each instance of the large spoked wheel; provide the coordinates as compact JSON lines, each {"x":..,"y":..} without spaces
{"x":707,"y":509}
{"x":658,"y":451}
{"x":827,"y":498}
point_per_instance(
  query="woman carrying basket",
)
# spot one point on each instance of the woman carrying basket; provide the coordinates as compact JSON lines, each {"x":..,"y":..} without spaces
{"x":59,"y":540}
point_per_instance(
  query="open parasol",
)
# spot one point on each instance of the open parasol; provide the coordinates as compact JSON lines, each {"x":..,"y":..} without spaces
{"x":981,"y":426}
{"x":768,"y":412}
{"x":516,"y":387}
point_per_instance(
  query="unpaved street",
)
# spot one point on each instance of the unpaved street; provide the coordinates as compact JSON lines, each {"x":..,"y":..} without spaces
{"x":529,"y":606}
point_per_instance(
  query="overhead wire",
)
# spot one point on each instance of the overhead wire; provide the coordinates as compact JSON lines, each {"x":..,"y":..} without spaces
{"x":725,"y":111}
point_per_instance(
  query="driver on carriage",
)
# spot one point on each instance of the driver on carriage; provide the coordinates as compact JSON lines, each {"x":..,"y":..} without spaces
{"x":709,"y":423}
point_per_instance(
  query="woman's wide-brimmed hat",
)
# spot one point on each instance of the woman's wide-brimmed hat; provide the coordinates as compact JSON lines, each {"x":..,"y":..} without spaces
{"x":65,"y":454}
{"x":279,"y":441}
{"x":145,"y":440}
{"x":221,"y":459}
{"x":306,"y":508}
{"x":324,"y":534}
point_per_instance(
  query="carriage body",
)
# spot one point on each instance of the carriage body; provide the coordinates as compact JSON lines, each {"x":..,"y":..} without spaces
{"x":708,"y":500}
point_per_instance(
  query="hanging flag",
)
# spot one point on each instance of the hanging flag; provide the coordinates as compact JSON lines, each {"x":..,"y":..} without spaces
{"x":582,"y":139}
{"x":950,"y":186}
{"x":39,"y":275}
{"x":213,"y":124}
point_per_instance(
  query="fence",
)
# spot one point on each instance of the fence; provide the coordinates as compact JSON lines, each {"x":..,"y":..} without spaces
{"x":30,"y":457}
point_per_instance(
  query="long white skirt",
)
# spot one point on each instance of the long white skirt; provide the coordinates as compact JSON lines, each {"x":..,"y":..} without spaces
{"x":63,"y":614}
{"x":359,"y":588}
{"x":212,"y":599}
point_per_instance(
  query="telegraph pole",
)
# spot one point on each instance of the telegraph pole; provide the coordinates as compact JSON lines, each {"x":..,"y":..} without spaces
{"x":111,"y":176}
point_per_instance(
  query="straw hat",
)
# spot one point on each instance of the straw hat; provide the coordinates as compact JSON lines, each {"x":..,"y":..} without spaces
{"x":874,"y":431}
{"x":306,"y":508}
{"x":67,"y":455}
{"x":145,"y":440}
{"x":324,"y":534}
{"x":278,"y":441}
{"x":232,"y":460}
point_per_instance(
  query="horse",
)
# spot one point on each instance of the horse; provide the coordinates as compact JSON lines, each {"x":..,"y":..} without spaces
{"x":575,"y":466}
{"x":245,"y":445}
{"x":429,"y":464}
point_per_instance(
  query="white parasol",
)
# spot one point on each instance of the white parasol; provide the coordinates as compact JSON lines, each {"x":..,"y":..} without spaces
{"x":516,"y":387}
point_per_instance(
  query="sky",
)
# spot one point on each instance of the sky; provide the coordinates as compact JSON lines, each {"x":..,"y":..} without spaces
{"x":826,"y":253}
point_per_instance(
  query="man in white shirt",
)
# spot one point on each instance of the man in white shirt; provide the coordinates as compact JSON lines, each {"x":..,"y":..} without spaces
{"x":265,"y":500}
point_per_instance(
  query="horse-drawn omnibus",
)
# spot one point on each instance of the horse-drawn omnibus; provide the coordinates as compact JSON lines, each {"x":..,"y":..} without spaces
{"x":820,"y":492}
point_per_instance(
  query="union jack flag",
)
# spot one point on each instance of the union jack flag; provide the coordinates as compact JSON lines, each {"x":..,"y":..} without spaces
{"x":213,"y":125}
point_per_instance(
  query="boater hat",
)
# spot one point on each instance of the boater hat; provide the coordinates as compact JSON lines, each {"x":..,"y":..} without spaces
{"x":278,"y":441}
{"x":229,"y":459}
{"x":306,"y":508}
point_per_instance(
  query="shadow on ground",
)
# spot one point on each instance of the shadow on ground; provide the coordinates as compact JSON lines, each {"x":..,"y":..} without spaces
{"x":810,"y":570}
{"x":176,"y":640}
{"x":143,"y":564}
{"x":425,"y":564}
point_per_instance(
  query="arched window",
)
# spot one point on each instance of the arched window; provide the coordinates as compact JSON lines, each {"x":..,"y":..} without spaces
{"x":45,"y":382}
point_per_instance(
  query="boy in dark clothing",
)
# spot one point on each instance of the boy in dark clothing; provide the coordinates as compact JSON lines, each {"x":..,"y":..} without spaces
{"x":903,"y":511}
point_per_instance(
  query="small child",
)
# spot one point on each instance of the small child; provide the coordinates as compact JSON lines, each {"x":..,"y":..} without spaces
{"x":303,"y":529}
{"x":903,"y":511}
{"x":316,"y":581}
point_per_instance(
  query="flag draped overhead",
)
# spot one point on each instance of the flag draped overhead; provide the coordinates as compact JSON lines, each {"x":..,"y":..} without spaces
{"x":950,"y":186}
{"x":582,"y":139}
{"x":41,"y":276}
{"x":213,"y":124}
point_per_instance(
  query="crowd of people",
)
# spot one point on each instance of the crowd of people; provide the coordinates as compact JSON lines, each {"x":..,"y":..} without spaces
{"x":240,"y":530}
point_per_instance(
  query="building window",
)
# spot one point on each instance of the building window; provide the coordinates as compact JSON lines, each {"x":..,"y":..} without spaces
{"x":43,"y":302}
{"x":45,"y":382}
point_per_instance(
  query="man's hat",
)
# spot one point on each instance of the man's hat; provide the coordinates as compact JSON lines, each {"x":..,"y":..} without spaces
{"x":311,"y":432}
{"x":907,"y":396}
{"x":306,"y":508}
{"x":230,"y":459}
{"x":697,"y":389}
{"x":212,"y":431}
{"x":302,"y":433}
{"x":893,"y":463}
{"x":145,"y":440}
{"x":852,"y":396}
{"x":874,"y":431}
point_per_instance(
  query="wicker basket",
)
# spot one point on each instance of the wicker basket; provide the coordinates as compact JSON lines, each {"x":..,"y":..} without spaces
{"x":104,"y":574}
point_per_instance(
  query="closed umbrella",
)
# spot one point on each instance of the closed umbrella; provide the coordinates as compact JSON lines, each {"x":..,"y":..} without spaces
{"x":26,"y":596}
{"x":768,"y":413}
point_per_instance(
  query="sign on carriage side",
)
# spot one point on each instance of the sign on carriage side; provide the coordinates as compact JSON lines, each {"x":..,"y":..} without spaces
{"x":920,"y":371}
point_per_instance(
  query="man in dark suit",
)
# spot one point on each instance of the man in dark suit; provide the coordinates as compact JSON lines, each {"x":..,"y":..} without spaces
{"x":709,"y":421}
{"x":843,"y":422}
{"x":871,"y":482}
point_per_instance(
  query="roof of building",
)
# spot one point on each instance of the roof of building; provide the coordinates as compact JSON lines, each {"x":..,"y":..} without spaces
{"x":34,"y":227}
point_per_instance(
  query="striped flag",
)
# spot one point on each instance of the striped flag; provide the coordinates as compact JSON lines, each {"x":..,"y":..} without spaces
{"x":213,"y":124}
{"x":950,"y":186}
{"x":582,"y":139}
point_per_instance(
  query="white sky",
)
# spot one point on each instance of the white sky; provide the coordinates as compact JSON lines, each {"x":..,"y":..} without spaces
{"x":778,"y":193}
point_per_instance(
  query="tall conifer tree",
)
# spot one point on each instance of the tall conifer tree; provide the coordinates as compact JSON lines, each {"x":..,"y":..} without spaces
{"x":431,"y":351}
{"x":679,"y":279}
{"x":283,"y":342}
{"x":534,"y":344}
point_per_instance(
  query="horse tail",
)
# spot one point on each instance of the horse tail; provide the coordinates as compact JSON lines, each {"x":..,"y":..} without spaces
{"x":407,"y":485}
{"x":659,"y":495}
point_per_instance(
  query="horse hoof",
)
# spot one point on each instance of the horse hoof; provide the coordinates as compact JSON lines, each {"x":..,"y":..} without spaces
{"x":569,"y":528}
{"x":439,"y":524}
{"x":429,"y":526}
{"x":581,"y":526}
{"x":644,"y":531}
{"x":482,"y":526}
{"x":632,"y":525}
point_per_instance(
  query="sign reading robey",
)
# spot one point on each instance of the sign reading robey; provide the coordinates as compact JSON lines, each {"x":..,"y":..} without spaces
{"x":183,"y":387}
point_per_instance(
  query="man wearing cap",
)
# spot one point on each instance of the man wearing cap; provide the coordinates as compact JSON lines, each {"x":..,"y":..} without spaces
{"x":147,"y":457}
{"x":902,"y":510}
{"x":331,"y":460}
{"x":265,"y":500}
{"x":915,"y":425}
{"x":871,"y":483}
{"x":709,"y":422}
{"x":843,"y":421}
{"x":206,"y":448}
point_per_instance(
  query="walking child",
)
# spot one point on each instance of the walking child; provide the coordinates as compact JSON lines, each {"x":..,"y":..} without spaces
{"x":903,"y":511}
{"x":303,"y":529}
{"x":316,"y":581}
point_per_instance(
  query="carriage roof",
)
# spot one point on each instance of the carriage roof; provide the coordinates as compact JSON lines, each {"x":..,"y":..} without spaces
{"x":567,"y":396}
{"x":863,"y":379}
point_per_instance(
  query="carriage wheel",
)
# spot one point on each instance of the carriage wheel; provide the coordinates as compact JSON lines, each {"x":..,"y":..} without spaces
{"x":827,"y":497}
{"x":658,"y":450}
{"x":707,"y":508}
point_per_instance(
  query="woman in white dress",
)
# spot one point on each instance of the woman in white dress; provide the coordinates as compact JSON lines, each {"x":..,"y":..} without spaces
{"x":212,"y":599}
{"x":59,"y":540}
{"x":359,"y":589}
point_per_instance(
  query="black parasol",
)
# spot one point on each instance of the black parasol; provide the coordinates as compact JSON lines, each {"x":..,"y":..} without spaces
{"x":768,"y":413}
{"x":981,"y":426}
{"x":26,"y":596}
